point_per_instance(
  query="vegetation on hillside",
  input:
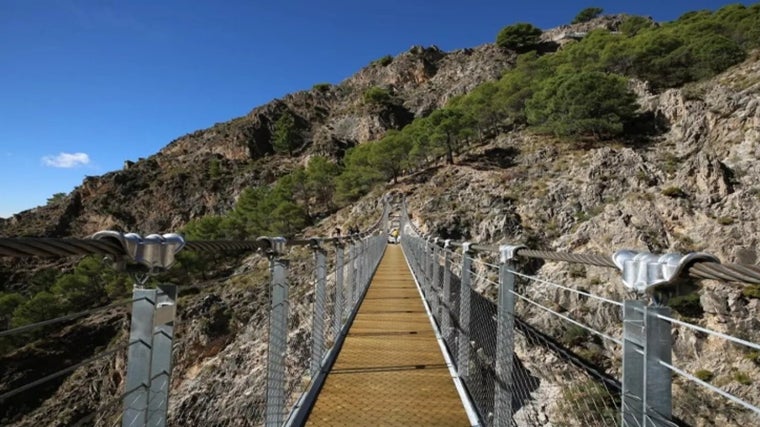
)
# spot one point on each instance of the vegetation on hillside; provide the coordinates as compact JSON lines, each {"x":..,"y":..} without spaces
{"x":520,"y":37}
{"x":283,"y":209}
{"x":587,"y":14}
{"x":50,"y":294}
{"x":580,"y":92}
{"x":286,"y":136}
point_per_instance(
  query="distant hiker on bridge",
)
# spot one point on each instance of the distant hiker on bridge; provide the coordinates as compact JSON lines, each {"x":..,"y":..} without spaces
{"x":394,"y":236}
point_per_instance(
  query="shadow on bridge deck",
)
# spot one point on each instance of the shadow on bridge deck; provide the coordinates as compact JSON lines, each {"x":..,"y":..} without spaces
{"x":390,"y":370}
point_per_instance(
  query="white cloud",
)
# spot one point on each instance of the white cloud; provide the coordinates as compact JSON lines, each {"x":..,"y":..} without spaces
{"x":66,"y":160}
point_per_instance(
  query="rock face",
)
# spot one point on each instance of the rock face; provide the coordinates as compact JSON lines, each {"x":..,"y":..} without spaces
{"x":204,"y":172}
{"x":693,"y":187}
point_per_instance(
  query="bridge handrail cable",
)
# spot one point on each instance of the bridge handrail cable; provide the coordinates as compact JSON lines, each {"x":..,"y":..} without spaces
{"x":66,"y":317}
{"x":743,"y":273}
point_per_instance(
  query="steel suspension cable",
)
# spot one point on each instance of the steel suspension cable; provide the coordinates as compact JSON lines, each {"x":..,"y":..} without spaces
{"x":744,"y":273}
{"x":64,"y":318}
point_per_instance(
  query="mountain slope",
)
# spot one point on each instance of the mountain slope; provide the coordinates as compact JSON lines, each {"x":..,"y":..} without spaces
{"x":204,"y":172}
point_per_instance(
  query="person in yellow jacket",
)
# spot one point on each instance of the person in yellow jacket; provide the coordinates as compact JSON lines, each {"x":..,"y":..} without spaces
{"x":394,"y":235}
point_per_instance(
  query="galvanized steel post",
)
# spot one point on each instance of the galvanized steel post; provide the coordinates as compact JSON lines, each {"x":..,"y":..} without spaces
{"x":139,"y":358}
{"x":149,"y":356}
{"x":362,"y":268}
{"x":161,"y":358}
{"x":435,"y":295}
{"x":151,"y":330}
{"x":463,"y":336}
{"x":647,"y":341}
{"x":320,"y":297}
{"x":278,"y":333}
{"x":428,"y":263}
{"x":347,"y":281}
{"x":505,"y":337}
{"x":447,"y":304}
{"x":338,"y":308}
{"x":356,"y":274}
{"x":633,"y":364}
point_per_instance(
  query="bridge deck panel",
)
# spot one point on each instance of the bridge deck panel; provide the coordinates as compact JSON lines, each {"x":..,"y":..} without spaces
{"x":390,"y":370}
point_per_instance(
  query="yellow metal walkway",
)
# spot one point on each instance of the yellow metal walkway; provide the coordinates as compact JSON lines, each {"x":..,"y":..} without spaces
{"x":390,"y":371}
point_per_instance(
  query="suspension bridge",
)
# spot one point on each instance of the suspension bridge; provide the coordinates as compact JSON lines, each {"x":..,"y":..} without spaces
{"x":428,"y":332}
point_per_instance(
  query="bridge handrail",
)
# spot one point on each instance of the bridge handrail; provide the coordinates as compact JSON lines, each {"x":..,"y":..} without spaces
{"x":158,"y":251}
{"x":699,"y":269}
{"x":645,"y":343}
{"x":20,"y":247}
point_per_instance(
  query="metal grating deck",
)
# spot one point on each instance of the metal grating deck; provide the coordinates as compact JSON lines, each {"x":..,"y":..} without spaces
{"x":390,"y":370}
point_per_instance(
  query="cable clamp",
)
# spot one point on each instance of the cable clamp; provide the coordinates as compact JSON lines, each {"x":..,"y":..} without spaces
{"x":315,"y":244}
{"x":645,"y":272}
{"x":154,"y":251}
{"x":276,"y":245}
{"x":509,"y":252}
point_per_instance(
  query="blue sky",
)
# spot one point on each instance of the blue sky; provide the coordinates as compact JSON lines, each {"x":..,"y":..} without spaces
{"x":87,"y":84}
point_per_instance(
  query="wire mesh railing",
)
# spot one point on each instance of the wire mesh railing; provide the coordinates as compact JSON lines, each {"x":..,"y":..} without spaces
{"x":579,"y":358}
{"x":271,"y":378}
{"x":529,"y":350}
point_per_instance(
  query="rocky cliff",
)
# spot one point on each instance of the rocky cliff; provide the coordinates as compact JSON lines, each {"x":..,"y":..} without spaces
{"x":694,"y":187}
{"x":205,"y":171}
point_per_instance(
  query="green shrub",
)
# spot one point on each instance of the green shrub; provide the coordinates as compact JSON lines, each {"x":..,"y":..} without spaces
{"x":587,"y":14}
{"x":214,"y":168}
{"x":42,"y":306}
{"x":577,"y":271}
{"x":520,"y":37}
{"x":322,"y":87}
{"x":42,"y":280}
{"x":384,"y":61}
{"x":751,"y":291}
{"x":674,"y":192}
{"x":694,"y":92}
{"x":633,"y":25}
{"x":9,"y":302}
{"x":56,"y":198}
{"x":742,"y":378}
{"x":574,"y":335}
{"x":378,"y":95}
{"x":286,"y":136}
{"x":585,"y":103}
{"x":704,"y":375}
{"x":589,"y":400}
{"x":725,"y":220}
{"x":687,"y":305}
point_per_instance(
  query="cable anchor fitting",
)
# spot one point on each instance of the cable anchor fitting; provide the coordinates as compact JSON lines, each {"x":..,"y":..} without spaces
{"x":648,"y":273}
{"x":156,"y":252}
{"x":275,"y":245}
{"x":509,"y":252}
